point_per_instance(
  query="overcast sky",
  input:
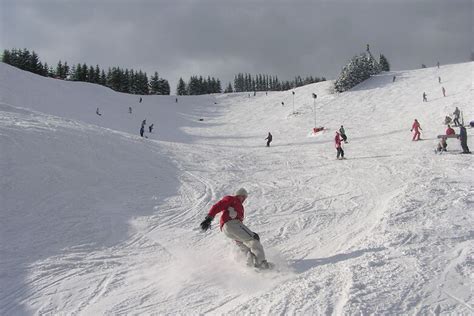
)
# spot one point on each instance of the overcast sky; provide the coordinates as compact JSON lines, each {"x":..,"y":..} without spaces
{"x":179,"y":38}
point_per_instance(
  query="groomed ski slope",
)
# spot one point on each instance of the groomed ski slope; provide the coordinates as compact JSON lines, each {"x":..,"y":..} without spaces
{"x":96,"y":220}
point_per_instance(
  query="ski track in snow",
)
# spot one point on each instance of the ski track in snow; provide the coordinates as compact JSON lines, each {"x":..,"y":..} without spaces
{"x":100,"y":221}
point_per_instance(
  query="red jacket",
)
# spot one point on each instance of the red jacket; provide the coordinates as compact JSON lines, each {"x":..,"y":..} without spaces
{"x":231,"y":207}
{"x":337,"y":140}
{"x":450,"y":131}
{"x":416,"y":126}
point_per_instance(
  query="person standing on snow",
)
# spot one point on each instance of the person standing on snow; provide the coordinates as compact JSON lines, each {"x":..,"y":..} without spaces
{"x":424,"y":97}
{"x":456,"y":114}
{"x":444,"y":91}
{"x":269,"y":139}
{"x":338,"y":144}
{"x":463,"y":139}
{"x":343,"y":134}
{"x":416,"y":126}
{"x":150,"y":128}
{"x":142,"y":130}
{"x":231,"y":223}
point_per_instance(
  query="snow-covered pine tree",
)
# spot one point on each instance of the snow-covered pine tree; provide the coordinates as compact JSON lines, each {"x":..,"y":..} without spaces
{"x":358,"y":69}
{"x":181,"y":88}
{"x":384,"y":64}
{"x":229,"y":88}
{"x":155,"y":84}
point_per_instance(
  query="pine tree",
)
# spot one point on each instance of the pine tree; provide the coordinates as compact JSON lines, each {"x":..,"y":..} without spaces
{"x":229,"y":88}
{"x":358,"y":69}
{"x":155,"y":84}
{"x":181,"y":88}
{"x":384,"y":64}
{"x":59,"y":70}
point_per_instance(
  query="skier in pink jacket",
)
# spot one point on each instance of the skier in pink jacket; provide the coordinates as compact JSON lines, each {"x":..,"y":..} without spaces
{"x":417,"y":128}
{"x":231,"y":223}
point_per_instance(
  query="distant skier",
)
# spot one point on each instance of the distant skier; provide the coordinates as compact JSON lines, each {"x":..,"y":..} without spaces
{"x":140,"y":100}
{"x":463,"y":140}
{"x":439,"y":79}
{"x":338,"y":144}
{"x":343,"y":134}
{"x":97,"y":112}
{"x":130,"y":109}
{"x":176,"y":100}
{"x":456,"y":114}
{"x":450,"y":131}
{"x":231,"y":223}
{"x":269,"y":139}
{"x":143,"y":122}
{"x":416,"y":127}
{"x":150,"y":128}
{"x":442,"y":145}
{"x":444,"y":91}
{"x":424,"y":97}
{"x":438,"y":64}
{"x":142,"y":130}
{"x":394,"y":78}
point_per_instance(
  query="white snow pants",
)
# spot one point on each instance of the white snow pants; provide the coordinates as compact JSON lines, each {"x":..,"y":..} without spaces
{"x":237,"y":231}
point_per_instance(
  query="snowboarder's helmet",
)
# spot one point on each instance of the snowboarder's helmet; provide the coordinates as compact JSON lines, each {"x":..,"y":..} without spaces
{"x":242,"y":192}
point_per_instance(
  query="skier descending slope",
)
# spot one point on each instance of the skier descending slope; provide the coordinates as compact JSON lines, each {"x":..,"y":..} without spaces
{"x":231,"y":223}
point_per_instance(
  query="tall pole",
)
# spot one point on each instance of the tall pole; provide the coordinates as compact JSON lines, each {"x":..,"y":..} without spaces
{"x":314,"y":107}
{"x":293,"y":102}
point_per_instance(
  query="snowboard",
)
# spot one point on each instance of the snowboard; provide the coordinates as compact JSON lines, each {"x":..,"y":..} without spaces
{"x":271,"y":267}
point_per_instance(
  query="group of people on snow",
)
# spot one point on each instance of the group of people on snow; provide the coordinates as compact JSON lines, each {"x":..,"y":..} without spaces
{"x":450,"y":132}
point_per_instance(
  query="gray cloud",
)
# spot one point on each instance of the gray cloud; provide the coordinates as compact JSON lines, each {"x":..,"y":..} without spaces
{"x":222,"y":38}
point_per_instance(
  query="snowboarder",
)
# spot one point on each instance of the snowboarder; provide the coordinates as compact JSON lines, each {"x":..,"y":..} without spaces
{"x":150,"y":128}
{"x":338,"y":144}
{"x":142,"y":130}
{"x":269,"y":139}
{"x":424,"y":97}
{"x":140,"y":100}
{"x":130,"y":109}
{"x":343,"y":134}
{"x":456,"y":114}
{"x":463,"y":139}
{"x":444,"y":91}
{"x":442,"y":145}
{"x":97,"y":112}
{"x":416,"y":126}
{"x":450,"y":131}
{"x":231,"y":223}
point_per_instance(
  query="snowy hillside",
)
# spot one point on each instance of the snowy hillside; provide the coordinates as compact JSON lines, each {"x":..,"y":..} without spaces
{"x":96,"y":220}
